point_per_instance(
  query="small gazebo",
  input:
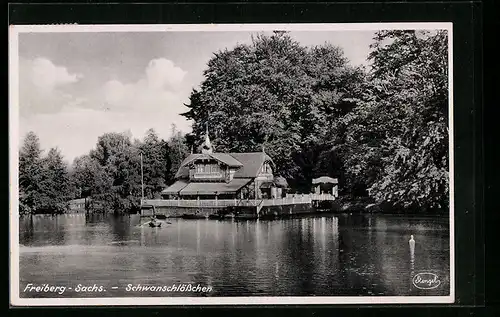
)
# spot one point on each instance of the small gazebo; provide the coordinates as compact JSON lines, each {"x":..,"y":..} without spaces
{"x":325,"y":185}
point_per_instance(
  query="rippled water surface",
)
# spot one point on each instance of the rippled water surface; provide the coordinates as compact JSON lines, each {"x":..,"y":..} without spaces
{"x":344,"y":255}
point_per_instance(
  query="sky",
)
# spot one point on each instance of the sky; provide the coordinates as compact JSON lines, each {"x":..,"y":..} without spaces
{"x":73,"y":87}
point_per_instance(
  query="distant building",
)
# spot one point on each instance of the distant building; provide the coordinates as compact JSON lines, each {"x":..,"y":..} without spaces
{"x":77,"y":205}
{"x":325,"y":185}
{"x":211,"y":175}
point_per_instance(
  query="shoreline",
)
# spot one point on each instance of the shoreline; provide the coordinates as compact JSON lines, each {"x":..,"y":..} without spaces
{"x":342,"y":205}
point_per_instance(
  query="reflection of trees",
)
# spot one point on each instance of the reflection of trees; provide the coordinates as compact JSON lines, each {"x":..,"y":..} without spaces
{"x":392,"y":256}
{"x":120,"y":227}
{"x":358,"y":260}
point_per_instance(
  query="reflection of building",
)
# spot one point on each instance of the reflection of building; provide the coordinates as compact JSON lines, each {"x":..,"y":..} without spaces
{"x":211,"y":175}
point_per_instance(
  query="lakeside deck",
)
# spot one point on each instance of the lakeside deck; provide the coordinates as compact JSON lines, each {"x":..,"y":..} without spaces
{"x":221,"y":203}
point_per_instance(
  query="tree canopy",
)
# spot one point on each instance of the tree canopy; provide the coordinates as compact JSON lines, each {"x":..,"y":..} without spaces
{"x":396,"y":141}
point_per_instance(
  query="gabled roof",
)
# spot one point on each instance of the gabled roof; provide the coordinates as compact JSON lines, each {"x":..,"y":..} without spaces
{"x":184,"y":169}
{"x":252,"y":163}
{"x":175,"y":187}
{"x":248,"y":164}
{"x":226,"y":159}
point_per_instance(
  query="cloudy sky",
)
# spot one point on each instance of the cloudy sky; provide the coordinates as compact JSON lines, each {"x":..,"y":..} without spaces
{"x":76,"y":86}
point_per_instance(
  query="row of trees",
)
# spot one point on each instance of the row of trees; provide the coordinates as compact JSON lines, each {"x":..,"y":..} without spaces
{"x":382,"y":131}
{"x":110,"y":174}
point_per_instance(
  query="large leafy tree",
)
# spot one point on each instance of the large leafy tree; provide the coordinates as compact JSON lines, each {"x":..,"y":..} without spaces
{"x":90,"y":178}
{"x":396,"y":141}
{"x":156,"y":163}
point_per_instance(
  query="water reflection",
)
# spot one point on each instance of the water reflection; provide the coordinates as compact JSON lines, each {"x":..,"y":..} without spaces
{"x":325,"y":255}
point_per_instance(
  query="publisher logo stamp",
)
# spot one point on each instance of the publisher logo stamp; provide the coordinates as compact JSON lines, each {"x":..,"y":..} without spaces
{"x":426,"y":281}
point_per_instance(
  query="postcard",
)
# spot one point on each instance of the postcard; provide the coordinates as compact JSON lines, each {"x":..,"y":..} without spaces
{"x":231,"y":164}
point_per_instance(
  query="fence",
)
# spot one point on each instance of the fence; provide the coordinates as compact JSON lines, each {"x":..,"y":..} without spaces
{"x":216,"y":203}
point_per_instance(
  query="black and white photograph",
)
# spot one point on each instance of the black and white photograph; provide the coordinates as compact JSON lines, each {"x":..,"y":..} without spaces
{"x":230,"y":164}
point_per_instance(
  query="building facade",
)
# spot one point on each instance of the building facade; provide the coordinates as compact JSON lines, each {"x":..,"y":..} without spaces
{"x":212,"y":175}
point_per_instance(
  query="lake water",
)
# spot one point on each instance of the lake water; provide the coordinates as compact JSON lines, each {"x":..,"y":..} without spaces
{"x":341,"y":255}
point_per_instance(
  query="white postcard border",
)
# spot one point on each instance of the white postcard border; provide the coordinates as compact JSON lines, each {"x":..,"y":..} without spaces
{"x":15,"y":299}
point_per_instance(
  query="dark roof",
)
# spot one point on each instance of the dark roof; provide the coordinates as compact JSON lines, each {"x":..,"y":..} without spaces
{"x":175,"y":187}
{"x":212,"y":188}
{"x":226,"y":159}
{"x":249,"y":163}
{"x":184,"y":169}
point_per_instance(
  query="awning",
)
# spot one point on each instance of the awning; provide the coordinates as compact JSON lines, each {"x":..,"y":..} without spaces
{"x":325,"y":180}
{"x":215,"y":188}
{"x":174,"y":188}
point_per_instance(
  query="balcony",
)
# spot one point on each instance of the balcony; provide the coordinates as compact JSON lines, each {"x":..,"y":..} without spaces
{"x":208,"y":176}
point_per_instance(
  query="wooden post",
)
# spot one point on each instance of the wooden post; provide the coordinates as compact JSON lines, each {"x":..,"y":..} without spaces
{"x":142,"y":183}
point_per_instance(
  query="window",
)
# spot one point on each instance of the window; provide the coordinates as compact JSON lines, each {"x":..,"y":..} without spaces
{"x":215,"y":169}
{"x":266,"y":169}
{"x":208,"y":169}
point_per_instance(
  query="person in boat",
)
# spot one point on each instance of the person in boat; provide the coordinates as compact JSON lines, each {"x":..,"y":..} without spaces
{"x":152,"y":220}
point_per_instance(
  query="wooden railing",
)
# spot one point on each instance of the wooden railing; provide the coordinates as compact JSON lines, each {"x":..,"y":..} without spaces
{"x":322,"y":197}
{"x":202,"y":203}
{"x":214,"y":203}
{"x":206,"y":176}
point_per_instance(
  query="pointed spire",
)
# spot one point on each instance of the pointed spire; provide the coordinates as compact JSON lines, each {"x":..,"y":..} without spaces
{"x":207,"y":145}
{"x":263,"y":153}
{"x":191,"y":149}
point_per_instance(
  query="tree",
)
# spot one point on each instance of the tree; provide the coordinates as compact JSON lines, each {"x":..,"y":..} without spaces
{"x":109,"y":145}
{"x":398,"y":136}
{"x":30,"y":173}
{"x":55,"y":183}
{"x":90,"y":177}
{"x":44,"y":183}
{"x":178,"y":150}
{"x":156,"y":163}
{"x":278,"y":94}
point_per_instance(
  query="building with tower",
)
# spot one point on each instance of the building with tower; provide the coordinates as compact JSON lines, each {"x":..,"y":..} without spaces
{"x":210,"y":175}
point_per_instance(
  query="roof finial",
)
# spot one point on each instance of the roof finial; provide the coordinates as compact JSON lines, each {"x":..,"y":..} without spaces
{"x":207,"y":145}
